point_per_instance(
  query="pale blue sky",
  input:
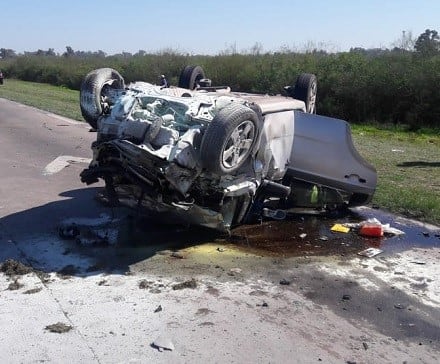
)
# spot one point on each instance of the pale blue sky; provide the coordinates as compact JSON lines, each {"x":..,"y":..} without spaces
{"x":208,"y":26}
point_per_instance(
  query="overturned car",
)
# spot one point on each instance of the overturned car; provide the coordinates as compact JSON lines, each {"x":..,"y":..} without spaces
{"x":205,"y":155}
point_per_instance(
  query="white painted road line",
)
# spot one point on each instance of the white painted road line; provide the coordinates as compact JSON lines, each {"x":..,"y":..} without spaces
{"x":61,"y":162}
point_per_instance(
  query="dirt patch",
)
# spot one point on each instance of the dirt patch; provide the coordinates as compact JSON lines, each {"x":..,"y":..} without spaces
{"x":187,"y":284}
{"x":12,"y":268}
{"x":204,"y":311}
{"x":213,"y":291}
{"x":33,"y":290}
{"x":58,"y":328}
{"x":15,"y":285}
{"x":153,"y":287}
{"x":144,"y":284}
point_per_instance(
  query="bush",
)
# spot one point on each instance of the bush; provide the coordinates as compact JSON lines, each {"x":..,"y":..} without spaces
{"x":397,"y":87}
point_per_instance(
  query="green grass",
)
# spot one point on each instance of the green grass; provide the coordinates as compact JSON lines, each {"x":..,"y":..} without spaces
{"x":408,"y":167}
{"x":59,"y":100}
{"x":408,"y":163}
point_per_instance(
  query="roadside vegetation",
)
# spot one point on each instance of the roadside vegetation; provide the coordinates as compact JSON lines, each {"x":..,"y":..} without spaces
{"x":408,"y":167}
{"x":58,"y":100}
{"x":389,"y":96}
{"x":397,"y":86}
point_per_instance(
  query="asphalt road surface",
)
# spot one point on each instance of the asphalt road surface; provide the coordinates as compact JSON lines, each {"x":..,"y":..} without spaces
{"x":124,"y":292}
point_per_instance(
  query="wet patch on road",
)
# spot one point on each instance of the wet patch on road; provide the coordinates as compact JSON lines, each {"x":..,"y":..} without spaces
{"x":312,"y":236}
{"x":135,"y":241}
{"x":116,"y":243}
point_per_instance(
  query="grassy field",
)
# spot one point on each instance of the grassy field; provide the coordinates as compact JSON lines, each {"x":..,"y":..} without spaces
{"x":408,"y":164}
{"x":59,"y":100}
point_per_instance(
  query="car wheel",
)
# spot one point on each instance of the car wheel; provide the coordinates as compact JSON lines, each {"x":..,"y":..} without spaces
{"x":306,"y":87}
{"x":230,"y":139}
{"x":95,"y":90}
{"x":190,"y":77}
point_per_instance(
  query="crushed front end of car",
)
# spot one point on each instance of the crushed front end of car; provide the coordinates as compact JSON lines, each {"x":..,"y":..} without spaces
{"x":149,"y":153}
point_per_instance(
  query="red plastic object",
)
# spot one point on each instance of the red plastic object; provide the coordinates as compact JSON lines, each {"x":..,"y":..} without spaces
{"x":372,"y":230}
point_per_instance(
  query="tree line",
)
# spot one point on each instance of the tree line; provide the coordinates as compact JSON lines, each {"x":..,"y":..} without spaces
{"x":385,"y":86}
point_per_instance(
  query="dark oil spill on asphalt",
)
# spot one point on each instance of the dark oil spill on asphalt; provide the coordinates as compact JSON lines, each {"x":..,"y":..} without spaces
{"x":296,"y":236}
{"x":309,"y":235}
{"x":138,"y":240}
{"x":312,"y":235}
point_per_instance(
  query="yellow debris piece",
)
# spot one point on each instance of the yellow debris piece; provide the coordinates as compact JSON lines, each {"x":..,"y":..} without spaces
{"x":340,"y":228}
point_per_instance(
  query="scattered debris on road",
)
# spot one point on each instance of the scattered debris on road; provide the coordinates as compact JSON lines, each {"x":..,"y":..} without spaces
{"x":144,"y":284}
{"x":400,"y":306}
{"x":235,"y":270}
{"x":418,"y":262}
{"x":12,"y":268}
{"x":33,"y":290}
{"x":340,"y":228}
{"x":371,"y":230}
{"x":371,"y":226}
{"x":177,"y":255}
{"x":187,"y":284}
{"x":370,"y":252}
{"x":98,"y":231}
{"x":264,"y":304}
{"x":163,"y":343}
{"x":58,"y":328}
{"x":16,"y":285}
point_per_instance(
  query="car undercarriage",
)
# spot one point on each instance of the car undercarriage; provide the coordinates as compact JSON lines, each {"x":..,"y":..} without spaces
{"x":208,"y":156}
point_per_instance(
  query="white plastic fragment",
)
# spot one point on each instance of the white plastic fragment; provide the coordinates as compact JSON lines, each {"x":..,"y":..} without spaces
{"x":387,"y":229}
{"x":163,"y":343}
{"x":370,"y":252}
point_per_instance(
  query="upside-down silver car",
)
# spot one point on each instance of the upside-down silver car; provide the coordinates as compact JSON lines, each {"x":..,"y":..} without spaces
{"x":208,"y":156}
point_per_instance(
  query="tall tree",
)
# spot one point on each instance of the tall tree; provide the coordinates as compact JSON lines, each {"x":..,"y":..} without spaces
{"x":428,"y":43}
{"x":69,"y":52}
{"x":7,"y":53}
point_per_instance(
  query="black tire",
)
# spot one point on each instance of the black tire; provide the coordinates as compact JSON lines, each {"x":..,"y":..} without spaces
{"x":190,"y":77}
{"x":306,"y":87}
{"x":230,"y":139}
{"x":93,"y":92}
